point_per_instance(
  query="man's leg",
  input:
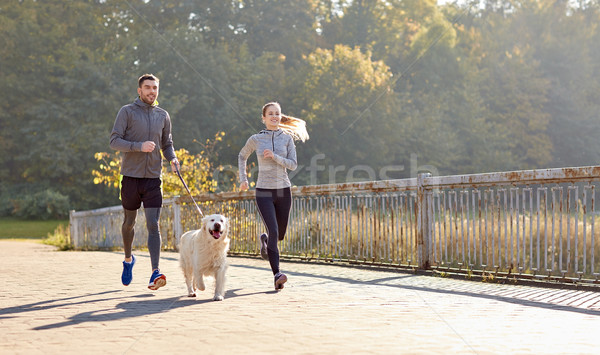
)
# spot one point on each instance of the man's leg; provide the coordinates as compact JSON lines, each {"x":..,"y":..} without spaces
{"x":131,"y":202}
{"x":154,"y":238}
{"x":127,"y":231}
{"x":152,"y":199}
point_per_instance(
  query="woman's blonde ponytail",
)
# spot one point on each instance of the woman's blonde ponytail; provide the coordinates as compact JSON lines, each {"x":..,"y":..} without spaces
{"x":293,"y":126}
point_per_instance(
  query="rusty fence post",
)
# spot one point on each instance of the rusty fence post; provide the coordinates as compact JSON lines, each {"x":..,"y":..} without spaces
{"x":73,"y":230}
{"x":423,"y":225}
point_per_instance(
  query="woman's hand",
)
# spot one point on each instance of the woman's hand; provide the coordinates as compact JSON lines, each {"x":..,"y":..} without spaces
{"x":244,"y":186}
{"x":267,"y":153}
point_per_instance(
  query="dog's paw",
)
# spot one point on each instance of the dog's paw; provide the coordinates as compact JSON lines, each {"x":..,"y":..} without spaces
{"x":192,"y":295}
{"x":218,"y":298}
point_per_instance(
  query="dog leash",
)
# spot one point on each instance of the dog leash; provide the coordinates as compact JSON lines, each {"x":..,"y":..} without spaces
{"x":188,"y":190}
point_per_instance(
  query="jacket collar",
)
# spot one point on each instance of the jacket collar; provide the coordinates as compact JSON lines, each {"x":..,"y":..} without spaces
{"x":267,"y":131}
{"x":141,"y":103}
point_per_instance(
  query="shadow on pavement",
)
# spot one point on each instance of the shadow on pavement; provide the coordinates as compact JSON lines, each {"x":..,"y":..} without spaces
{"x":380,"y":282}
{"x":48,"y":304}
{"x":131,"y":309}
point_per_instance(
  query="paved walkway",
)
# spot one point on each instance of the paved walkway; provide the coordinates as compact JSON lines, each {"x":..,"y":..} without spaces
{"x":73,"y":303}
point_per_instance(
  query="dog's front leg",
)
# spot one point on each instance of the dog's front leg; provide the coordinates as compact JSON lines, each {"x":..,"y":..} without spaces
{"x":220,"y":283}
{"x":199,"y":281}
{"x":188,"y":273}
{"x":188,"y":282}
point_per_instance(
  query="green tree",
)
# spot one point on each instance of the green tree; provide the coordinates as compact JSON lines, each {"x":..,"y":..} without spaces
{"x":345,"y":98}
{"x":284,"y":26}
{"x":467,"y":87}
{"x":57,"y":94}
{"x":566,"y":55}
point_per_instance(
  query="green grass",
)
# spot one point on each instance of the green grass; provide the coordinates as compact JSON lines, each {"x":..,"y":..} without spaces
{"x":13,"y":228}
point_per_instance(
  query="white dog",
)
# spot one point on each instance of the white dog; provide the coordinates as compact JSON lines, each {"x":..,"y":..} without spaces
{"x":203,"y":252}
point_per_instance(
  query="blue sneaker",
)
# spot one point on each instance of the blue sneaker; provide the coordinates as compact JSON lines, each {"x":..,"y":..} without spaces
{"x":127,"y":275}
{"x":263,"y":247}
{"x":157,"y":280}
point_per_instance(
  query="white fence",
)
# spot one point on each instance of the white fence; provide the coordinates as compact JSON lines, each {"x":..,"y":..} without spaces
{"x":526,"y":224}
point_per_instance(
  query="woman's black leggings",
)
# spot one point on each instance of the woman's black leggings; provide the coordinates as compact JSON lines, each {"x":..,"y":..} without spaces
{"x":274,"y":206}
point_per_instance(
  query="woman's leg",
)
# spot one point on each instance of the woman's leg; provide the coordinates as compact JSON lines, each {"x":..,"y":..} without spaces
{"x":283,"y":206}
{"x":266,"y":207}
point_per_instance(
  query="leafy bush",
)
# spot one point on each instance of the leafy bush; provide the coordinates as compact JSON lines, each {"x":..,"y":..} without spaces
{"x":6,"y":207}
{"x":60,"y":238}
{"x":46,"y":204}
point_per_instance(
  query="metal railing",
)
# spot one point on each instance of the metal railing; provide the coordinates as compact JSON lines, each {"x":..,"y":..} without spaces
{"x":527,"y":224}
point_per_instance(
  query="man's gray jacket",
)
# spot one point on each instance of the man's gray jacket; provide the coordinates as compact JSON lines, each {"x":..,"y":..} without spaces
{"x":136,"y":123}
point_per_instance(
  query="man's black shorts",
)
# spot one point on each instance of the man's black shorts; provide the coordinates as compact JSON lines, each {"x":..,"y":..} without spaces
{"x":134,"y":191}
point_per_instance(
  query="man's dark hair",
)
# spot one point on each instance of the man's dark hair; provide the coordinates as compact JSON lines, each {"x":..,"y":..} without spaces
{"x":147,"y":77}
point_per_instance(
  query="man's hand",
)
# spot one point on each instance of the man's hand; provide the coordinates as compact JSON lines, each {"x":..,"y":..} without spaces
{"x":174,"y":165}
{"x":148,"y":146}
{"x":244,"y":186}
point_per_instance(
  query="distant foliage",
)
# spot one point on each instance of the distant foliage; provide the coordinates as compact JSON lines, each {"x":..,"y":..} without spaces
{"x":47,"y":204}
{"x":385,"y":86}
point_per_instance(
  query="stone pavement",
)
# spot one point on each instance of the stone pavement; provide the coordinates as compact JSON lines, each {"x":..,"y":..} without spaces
{"x":55,"y":302}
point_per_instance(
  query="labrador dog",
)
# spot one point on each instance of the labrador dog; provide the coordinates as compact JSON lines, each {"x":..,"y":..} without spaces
{"x":203,"y":252}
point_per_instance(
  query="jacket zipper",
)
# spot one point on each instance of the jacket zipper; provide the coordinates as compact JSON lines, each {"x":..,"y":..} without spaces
{"x":273,"y":142}
{"x":149,"y":138}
